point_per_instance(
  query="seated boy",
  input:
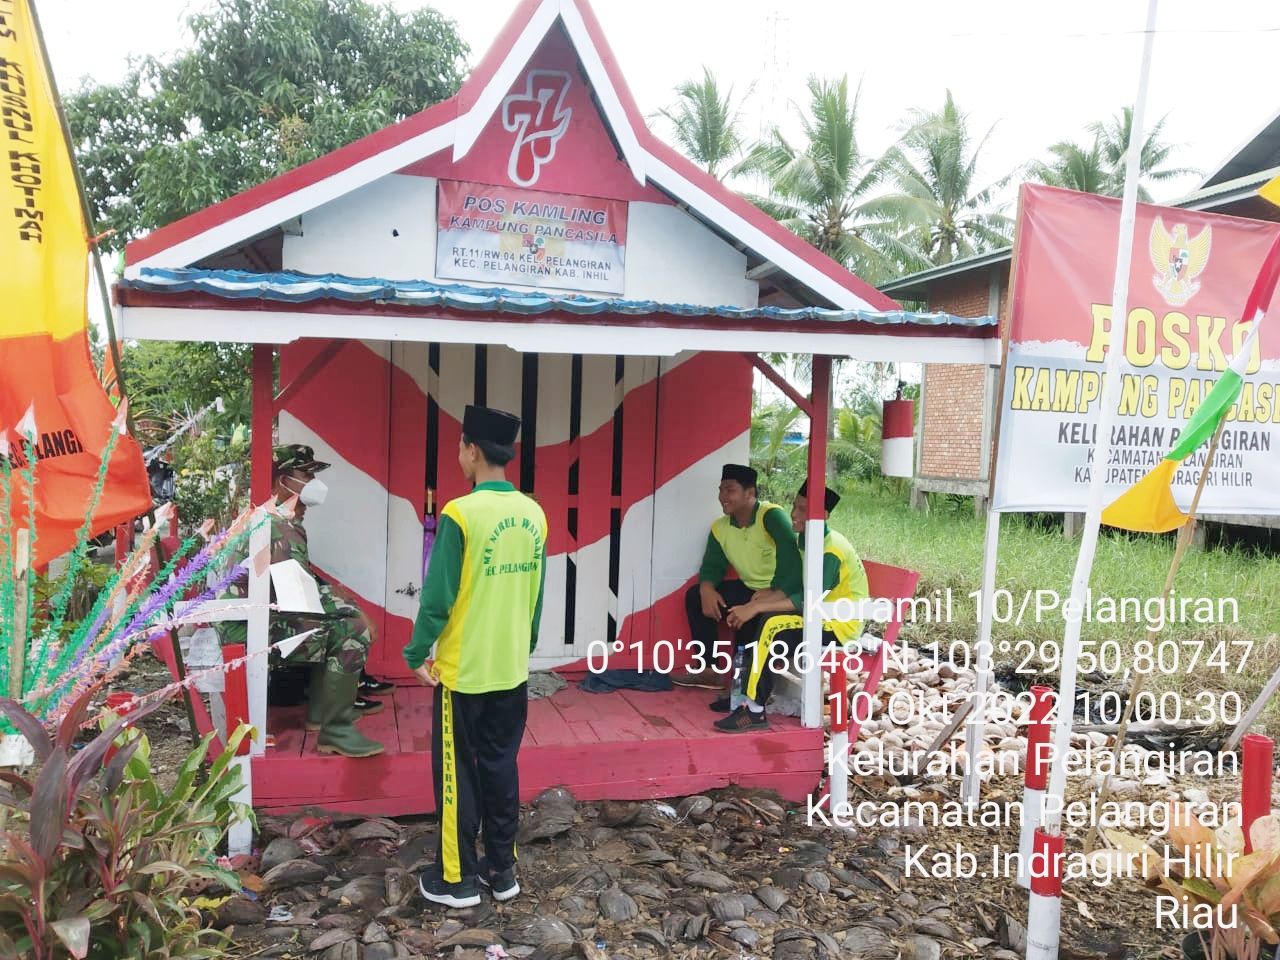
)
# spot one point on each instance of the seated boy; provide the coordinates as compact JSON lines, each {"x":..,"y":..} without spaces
{"x":781,"y":628}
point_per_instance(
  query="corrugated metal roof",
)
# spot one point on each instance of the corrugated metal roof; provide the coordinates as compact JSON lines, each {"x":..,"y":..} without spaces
{"x":906,"y":286}
{"x":1258,"y":151}
{"x":1225,"y":191}
{"x":304,"y":288}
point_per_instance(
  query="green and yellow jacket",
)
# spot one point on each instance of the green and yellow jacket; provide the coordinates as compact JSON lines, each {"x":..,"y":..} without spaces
{"x":482,"y":599}
{"x":843,"y":575}
{"x":763,"y":552}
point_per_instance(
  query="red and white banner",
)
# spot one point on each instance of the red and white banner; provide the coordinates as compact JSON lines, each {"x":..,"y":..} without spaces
{"x":506,"y":235}
{"x":1191,"y":274}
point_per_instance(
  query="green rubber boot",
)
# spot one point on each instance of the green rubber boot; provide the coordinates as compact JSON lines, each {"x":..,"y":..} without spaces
{"x":315,"y":718}
{"x":338,"y":733}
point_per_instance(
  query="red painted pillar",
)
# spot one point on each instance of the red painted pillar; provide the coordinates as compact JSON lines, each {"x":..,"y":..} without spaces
{"x":235,"y":696}
{"x":1258,"y":755}
{"x":839,"y":693}
{"x":264,"y":391}
{"x":1035,"y":777}
{"x":818,"y":436}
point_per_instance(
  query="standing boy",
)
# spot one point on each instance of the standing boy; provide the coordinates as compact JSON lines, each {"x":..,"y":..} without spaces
{"x":481,"y":603}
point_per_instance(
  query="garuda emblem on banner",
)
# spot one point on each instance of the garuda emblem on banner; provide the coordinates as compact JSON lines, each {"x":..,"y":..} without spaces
{"x":1178,"y":260}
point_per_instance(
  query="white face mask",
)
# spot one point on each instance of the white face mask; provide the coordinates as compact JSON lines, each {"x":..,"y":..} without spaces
{"x":313,"y":492}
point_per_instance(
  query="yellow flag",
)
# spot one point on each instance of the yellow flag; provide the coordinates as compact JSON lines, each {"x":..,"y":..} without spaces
{"x":1271,"y":191}
{"x":1148,"y":505}
{"x":43,"y":242}
{"x":53,"y":410}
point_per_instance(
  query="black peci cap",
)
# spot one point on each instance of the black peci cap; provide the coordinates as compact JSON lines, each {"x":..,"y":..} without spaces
{"x":831,"y":499}
{"x":736,"y":471}
{"x":492,"y":426}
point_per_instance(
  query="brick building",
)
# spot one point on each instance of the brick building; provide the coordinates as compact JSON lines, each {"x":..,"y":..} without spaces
{"x":954,"y":452}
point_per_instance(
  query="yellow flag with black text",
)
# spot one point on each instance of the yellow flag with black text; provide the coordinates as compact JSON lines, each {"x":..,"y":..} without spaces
{"x":55,"y":417}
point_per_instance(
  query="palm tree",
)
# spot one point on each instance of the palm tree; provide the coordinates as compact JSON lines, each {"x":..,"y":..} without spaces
{"x":818,"y":188}
{"x":705,"y":123}
{"x":1112,"y":137}
{"x":854,"y":451}
{"x":1075,"y":167}
{"x":778,"y":461}
{"x":933,"y":167}
{"x":1100,"y":167}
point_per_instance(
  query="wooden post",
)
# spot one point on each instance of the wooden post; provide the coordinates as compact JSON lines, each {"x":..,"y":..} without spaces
{"x":158,"y":560}
{"x":263,"y":423}
{"x":1153,"y":629}
{"x":811,"y":682}
{"x":778,"y":381}
{"x":86,"y":208}
{"x":18,"y":640}
{"x":1268,"y":691}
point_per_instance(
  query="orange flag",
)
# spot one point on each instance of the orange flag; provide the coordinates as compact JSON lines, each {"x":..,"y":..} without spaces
{"x":50,"y":396}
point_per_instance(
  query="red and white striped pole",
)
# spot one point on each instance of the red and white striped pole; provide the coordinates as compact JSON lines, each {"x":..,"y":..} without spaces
{"x":897,"y":438}
{"x":1035,"y":777}
{"x":1258,"y":769}
{"x":1044,"y":918}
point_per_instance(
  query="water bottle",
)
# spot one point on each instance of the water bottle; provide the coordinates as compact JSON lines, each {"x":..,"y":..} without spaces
{"x":736,"y":697}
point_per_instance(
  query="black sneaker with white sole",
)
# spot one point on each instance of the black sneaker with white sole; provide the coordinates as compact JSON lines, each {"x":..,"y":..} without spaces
{"x":502,"y":884}
{"x":372,"y":687}
{"x":436,"y":889}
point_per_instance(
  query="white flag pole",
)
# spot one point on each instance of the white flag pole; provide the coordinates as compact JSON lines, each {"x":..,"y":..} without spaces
{"x":976,"y":725}
{"x":1043,"y":922}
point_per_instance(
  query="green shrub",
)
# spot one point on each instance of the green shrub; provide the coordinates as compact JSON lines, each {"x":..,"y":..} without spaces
{"x":90,"y":578}
{"x":212,"y":478}
{"x":96,"y":858}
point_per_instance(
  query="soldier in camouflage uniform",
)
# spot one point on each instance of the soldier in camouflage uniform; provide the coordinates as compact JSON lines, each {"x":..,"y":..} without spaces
{"x":337,"y":653}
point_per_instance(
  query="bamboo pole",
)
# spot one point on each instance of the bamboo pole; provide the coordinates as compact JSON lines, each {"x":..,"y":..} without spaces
{"x":179,"y":665}
{"x":1185,"y":533}
{"x":1268,"y":691}
{"x":85,"y":209}
{"x":18,"y":640}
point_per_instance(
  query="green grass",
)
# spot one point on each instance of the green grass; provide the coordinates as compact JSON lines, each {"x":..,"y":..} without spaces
{"x":946,"y":543}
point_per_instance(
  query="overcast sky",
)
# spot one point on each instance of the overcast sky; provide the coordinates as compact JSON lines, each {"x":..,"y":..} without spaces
{"x":1037,"y":72}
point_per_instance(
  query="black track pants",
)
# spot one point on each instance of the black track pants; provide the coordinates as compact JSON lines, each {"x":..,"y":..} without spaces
{"x":474,"y":741}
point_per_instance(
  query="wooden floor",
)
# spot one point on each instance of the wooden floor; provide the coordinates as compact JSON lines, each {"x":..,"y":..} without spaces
{"x":619,"y":746}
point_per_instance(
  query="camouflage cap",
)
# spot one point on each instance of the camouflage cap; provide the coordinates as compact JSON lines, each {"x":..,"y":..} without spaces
{"x":297,"y":456}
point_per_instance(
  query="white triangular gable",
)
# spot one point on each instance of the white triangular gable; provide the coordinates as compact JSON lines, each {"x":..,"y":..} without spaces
{"x":461,"y":123}
{"x":490,"y":100}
